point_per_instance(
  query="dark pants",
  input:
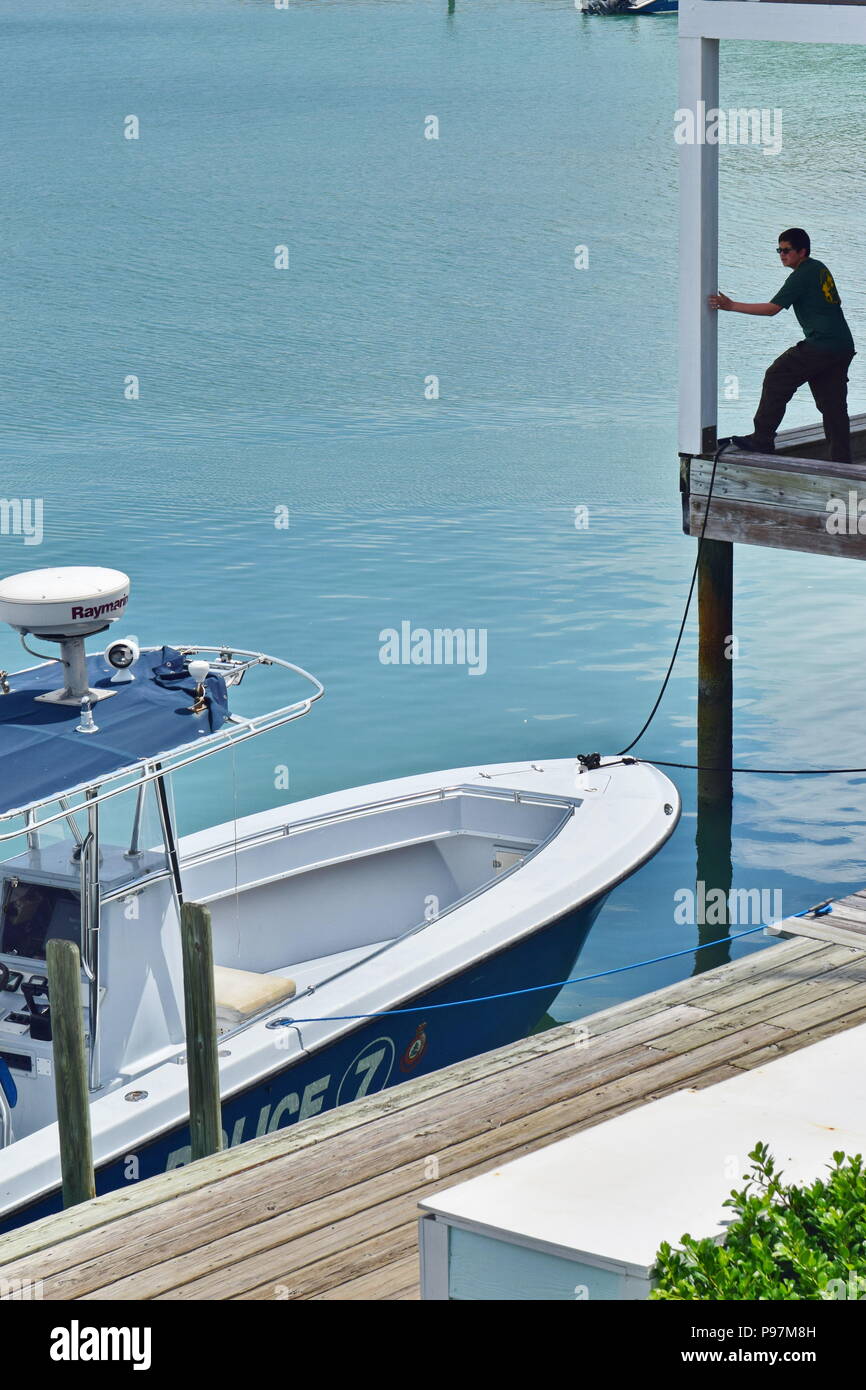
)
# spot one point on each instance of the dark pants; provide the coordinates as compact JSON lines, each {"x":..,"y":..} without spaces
{"x":827,"y":375}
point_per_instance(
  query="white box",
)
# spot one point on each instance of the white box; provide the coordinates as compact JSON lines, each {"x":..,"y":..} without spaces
{"x":584,"y":1217}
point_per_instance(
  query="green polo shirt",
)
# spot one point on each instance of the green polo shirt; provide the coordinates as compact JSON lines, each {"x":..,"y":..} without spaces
{"x":811,"y":292}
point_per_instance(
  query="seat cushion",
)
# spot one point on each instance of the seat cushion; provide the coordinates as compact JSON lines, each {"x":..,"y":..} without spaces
{"x":242,"y":993}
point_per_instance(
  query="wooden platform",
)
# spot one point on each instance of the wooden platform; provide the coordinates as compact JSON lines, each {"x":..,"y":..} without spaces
{"x":327,"y":1210}
{"x":789,"y":500}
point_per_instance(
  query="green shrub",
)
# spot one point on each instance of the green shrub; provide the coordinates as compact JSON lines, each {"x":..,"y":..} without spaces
{"x":787,"y":1242}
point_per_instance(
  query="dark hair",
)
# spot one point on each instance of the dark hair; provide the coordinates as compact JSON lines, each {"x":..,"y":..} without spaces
{"x":798,"y":239}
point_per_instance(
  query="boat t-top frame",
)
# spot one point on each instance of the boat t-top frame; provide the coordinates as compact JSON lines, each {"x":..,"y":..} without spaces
{"x":232,"y":664}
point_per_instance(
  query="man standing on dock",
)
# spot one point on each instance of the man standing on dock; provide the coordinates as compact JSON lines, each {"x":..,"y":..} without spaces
{"x":821,"y":359}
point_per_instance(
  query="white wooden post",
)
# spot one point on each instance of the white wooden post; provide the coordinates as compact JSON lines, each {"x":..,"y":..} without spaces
{"x":699,"y":249}
{"x":702,"y":23}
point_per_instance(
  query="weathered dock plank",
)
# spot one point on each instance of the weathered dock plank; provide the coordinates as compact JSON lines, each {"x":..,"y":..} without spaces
{"x":773,"y":481}
{"x":327,"y":1210}
{"x":758,"y":986}
{"x":780,"y":528}
{"x":395,"y":1281}
{"x":801,"y":440}
{"x":807,"y":1016}
{"x":350,"y":1263}
{"x":699,"y":987}
{"x":839,"y":932}
{"x":792,"y":500}
{"x":767,"y":1009}
{"x":850,"y":918}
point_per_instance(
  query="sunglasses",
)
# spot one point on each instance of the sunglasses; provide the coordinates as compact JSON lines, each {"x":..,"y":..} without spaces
{"x":784,"y":250}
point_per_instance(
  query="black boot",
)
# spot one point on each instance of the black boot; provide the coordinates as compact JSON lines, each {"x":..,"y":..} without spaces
{"x":750,"y":445}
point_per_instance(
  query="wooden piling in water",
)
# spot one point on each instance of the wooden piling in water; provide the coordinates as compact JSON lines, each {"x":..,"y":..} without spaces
{"x":202,"y":1057}
{"x":714,"y":876}
{"x":70,"y":1072}
{"x":715,"y":671}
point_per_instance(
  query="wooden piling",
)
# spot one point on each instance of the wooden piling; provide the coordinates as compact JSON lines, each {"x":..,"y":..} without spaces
{"x":202,"y":1059}
{"x":70,"y":1072}
{"x":714,"y":877}
{"x":715,"y":670}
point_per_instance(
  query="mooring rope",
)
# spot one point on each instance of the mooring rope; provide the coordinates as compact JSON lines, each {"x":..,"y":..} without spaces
{"x":675,"y":654}
{"x":820,"y":910}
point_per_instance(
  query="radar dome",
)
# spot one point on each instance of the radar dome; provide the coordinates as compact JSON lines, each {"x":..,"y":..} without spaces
{"x":69,"y":601}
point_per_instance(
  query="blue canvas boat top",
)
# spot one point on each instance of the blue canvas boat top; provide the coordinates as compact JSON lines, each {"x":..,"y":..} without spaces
{"x":41,"y":755}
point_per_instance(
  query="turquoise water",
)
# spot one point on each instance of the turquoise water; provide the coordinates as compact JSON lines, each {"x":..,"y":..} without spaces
{"x":304,"y":388}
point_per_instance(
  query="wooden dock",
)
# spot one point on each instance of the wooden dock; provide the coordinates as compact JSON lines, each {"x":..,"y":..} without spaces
{"x":328,"y":1209}
{"x":792,"y":500}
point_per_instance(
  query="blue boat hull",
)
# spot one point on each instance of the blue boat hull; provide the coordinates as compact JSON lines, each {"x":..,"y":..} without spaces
{"x":380,"y":1053}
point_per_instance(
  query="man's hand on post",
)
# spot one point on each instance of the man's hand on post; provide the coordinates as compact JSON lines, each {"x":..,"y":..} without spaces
{"x":720,"y":301}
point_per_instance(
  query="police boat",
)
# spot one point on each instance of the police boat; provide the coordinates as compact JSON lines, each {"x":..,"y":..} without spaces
{"x":341,"y":925}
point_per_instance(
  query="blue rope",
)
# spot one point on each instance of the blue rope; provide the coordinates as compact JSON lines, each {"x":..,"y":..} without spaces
{"x":820,"y":911}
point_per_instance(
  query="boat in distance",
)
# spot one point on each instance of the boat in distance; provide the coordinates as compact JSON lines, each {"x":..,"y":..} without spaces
{"x":621,"y":7}
{"x":360,"y":937}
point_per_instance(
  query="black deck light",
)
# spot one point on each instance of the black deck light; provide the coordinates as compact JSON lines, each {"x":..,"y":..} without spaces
{"x":122,"y":654}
